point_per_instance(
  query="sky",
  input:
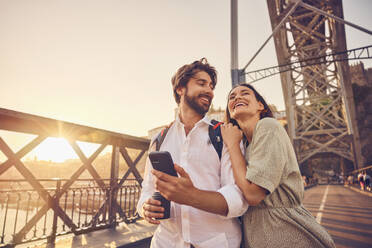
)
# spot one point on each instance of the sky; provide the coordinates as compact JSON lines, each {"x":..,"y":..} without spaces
{"x":108,"y":64}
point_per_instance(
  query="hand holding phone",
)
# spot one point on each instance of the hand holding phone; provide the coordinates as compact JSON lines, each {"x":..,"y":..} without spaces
{"x":162,"y":161}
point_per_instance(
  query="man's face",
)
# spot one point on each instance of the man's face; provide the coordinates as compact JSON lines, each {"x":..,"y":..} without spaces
{"x":198,"y":93}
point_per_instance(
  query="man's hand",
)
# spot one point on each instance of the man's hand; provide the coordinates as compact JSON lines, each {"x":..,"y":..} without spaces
{"x":176,"y":189}
{"x":152,"y":209}
{"x":181,"y":190}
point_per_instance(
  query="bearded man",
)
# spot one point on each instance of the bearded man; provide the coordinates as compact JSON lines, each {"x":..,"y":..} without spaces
{"x":205,"y":201}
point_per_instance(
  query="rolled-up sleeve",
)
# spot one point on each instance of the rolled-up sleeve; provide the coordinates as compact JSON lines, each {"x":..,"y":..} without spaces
{"x":234,"y":199}
{"x":147,"y":187}
{"x":230,"y":191}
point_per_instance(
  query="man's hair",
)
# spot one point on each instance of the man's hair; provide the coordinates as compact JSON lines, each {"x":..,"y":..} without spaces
{"x":183,"y":75}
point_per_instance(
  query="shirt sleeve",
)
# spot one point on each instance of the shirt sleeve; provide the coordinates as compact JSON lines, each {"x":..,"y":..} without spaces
{"x":148,"y":187}
{"x":266,"y":159}
{"x":230,"y":191}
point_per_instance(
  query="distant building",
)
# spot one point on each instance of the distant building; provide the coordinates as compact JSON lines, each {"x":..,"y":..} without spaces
{"x":216,"y":114}
{"x":219,"y":115}
{"x":361,"y":79}
{"x":280,"y":115}
{"x":361,"y":76}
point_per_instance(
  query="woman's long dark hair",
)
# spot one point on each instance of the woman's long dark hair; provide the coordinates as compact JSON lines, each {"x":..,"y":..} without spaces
{"x":266,"y":112}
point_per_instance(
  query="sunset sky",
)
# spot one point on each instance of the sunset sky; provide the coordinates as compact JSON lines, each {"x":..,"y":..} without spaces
{"x":108,"y":64}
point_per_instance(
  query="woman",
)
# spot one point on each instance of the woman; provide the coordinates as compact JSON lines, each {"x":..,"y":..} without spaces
{"x":268,"y":176}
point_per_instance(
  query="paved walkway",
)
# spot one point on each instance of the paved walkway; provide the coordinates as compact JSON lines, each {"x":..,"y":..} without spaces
{"x":136,"y":235}
{"x":346,"y":214}
{"x":356,"y":188}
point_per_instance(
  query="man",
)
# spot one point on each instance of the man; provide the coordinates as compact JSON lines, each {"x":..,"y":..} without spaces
{"x":204,"y":198}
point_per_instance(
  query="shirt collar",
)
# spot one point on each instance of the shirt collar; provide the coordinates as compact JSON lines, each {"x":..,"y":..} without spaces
{"x":205,"y":120}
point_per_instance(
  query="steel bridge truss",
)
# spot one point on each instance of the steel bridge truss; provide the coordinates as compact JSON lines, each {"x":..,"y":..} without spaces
{"x":318,"y":95}
{"x":352,"y":54}
{"x":310,"y":43}
{"x":44,"y":128}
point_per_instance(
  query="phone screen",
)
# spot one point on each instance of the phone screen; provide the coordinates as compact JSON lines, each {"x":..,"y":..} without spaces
{"x":162,"y":161}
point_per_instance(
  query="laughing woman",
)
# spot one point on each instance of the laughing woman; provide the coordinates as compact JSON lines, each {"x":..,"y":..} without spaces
{"x":268,"y":175}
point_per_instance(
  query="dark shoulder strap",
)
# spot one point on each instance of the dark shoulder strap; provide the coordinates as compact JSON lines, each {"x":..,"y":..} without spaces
{"x":213,"y":131}
{"x":160,"y":137}
{"x":216,"y":137}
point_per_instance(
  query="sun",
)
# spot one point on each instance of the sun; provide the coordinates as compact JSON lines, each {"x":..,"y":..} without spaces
{"x":55,"y":150}
{"x":59,"y":150}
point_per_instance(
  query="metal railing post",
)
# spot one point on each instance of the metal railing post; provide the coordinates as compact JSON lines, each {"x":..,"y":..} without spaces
{"x":113,"y":185}
{"x":54,"y":200}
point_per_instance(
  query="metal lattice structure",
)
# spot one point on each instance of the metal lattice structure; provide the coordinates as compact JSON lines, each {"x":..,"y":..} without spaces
{"x":109,"y":209}
{"x":310,"y":43}
{"x":318,"y":97}
{"x":352,"y":54}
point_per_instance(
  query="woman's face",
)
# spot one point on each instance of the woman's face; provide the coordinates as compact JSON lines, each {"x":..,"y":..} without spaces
{"x":243,"y":103}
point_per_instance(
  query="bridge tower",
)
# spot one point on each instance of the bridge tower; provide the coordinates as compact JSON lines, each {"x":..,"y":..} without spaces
{"x":318,"y":95}
{"x":309,"y":38}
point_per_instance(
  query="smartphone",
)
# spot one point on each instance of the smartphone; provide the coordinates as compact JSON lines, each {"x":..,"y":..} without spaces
{"x":162,"y":161}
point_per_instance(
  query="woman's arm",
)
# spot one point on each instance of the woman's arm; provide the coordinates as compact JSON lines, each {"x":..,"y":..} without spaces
{"x":253,"y":193}
{"x":232,"y":136}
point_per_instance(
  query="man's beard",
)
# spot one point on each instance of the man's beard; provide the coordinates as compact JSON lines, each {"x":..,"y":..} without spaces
{"x":192,"y":101}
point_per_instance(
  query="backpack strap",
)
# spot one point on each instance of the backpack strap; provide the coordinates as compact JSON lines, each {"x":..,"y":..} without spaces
{"x":214,"y":133}
{"x":160,"y":137}
{"x":216,"y":137}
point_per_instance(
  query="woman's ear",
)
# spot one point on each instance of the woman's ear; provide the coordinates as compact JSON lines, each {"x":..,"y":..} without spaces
{"x":261,"y":106}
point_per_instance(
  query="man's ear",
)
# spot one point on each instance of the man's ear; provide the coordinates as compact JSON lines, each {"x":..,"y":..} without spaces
{"x":181,"y":91}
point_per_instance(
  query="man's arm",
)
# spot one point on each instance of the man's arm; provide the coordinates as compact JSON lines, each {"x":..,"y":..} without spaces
{"x":181,"y":190}
{"x":233,"y":195}
{"x":147,"y":207}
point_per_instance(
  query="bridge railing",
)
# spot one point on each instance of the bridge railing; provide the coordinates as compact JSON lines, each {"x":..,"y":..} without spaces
{"x":365,"y":168}
{"x":104,"y":202}
{"x":81,"y":203}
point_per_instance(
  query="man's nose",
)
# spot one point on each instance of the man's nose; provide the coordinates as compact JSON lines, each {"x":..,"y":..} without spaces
{"x":210,"y":91}
{"x":209,"y":88}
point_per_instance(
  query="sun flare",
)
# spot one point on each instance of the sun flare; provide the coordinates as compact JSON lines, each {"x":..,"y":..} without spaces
{"x":59,"y":150}
{"x":54,"y":149}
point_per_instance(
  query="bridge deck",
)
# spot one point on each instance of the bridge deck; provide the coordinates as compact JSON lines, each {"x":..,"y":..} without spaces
{"x":346,"y":215}
{"x":136,"y":235}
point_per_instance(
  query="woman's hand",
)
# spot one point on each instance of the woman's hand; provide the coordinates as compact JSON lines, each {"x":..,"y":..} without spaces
{"x":231,"y":135}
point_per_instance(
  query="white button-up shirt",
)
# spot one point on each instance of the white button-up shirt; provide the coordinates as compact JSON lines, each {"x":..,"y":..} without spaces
{"x":188,"y":225}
